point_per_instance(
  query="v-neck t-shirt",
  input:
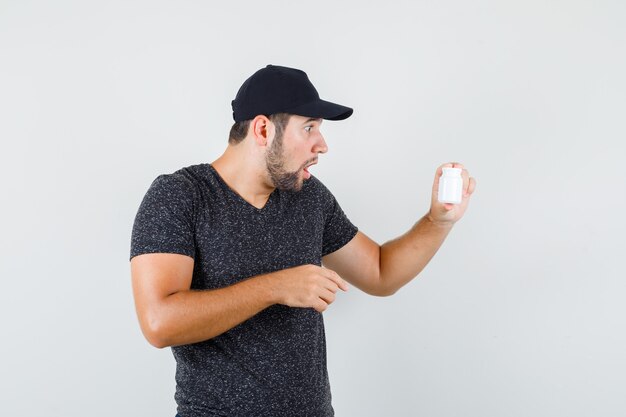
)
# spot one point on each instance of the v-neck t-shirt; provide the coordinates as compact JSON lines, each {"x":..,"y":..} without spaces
{"x":273,"y":364}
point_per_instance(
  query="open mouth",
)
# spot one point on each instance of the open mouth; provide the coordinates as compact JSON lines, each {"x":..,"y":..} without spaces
{"x":307,"y":174}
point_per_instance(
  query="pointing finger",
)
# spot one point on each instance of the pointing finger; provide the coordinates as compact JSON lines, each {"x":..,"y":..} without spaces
{"x":333,"y":276}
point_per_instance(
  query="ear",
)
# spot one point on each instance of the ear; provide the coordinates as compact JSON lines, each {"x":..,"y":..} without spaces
{"x":261,"y":129}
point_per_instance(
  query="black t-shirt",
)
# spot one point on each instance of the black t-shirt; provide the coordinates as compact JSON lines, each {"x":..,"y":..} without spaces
{"x":273,"y":364}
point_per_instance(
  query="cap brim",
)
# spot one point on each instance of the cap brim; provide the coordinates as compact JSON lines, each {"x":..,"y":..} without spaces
{"x":322,"y":109}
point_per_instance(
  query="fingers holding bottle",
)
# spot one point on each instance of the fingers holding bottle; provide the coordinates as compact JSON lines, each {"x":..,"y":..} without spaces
{"x":452,"y":189}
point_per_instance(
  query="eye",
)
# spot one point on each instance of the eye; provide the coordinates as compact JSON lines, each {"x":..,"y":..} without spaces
{"x":308,"y":128}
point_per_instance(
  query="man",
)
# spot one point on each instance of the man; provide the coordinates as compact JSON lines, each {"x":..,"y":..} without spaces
{"x":226,"y":258}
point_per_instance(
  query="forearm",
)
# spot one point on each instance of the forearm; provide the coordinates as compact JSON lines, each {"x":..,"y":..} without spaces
{"x":193,"y":316}
{"x":403,"y":258}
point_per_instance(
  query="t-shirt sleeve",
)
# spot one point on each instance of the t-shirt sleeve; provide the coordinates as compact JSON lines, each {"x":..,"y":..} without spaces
{"x":164,"y":222}
{"x":338,"y":229}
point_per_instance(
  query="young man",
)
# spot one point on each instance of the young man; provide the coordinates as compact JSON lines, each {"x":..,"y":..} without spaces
{"x":226,"y":258}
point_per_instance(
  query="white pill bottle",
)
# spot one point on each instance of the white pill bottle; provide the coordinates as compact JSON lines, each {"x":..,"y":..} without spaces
{"x":450,"y":186}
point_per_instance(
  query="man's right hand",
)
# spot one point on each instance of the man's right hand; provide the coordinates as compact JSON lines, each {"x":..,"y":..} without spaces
{"x":307,"y":286}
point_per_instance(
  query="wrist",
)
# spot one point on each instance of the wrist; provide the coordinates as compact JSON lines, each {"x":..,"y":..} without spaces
{"x":439,"y":223}
{"x":272,"y":287}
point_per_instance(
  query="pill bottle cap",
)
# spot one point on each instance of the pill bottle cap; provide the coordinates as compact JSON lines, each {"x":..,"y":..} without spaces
{"x":452,"y":172}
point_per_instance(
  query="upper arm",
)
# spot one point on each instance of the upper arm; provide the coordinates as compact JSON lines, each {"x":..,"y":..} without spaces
{"x":358,"y":262}
{"x":155,"y":276}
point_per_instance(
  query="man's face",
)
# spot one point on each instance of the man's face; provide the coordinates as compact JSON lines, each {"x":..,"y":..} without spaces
{"x":293,"y":150}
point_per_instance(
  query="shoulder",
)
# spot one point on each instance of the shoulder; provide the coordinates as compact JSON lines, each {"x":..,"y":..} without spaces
{"x":178,"y":188}
{"x":184,"y":179}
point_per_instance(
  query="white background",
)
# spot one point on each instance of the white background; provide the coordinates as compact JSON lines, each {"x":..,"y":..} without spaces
{"x":521,"y":313}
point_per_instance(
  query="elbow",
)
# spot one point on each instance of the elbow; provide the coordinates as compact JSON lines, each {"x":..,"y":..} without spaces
{"x":155,"y":332}
{"x":382,"y":289}
{"x":157,"y":342}
{"x":384,"y":292}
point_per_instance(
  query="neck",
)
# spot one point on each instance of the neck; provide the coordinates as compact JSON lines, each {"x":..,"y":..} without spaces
{"x":242,"y":170}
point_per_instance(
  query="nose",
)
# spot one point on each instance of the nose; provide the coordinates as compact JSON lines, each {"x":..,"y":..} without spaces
{"x":320,"y":145}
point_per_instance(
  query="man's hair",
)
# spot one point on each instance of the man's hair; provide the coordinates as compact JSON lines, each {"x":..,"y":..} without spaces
{"x":239,"y":130}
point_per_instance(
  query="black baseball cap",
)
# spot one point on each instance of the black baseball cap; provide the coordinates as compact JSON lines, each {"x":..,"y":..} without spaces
{"x":276,"y":89}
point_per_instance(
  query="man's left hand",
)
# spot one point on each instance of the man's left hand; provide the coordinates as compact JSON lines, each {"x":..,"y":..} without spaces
{"x":446,"y":213}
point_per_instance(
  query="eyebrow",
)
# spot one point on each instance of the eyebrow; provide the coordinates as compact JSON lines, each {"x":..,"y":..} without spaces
{"x":313,"y":119}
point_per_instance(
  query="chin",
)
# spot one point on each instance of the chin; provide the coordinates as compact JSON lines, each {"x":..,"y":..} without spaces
{"x":299,"y":186}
